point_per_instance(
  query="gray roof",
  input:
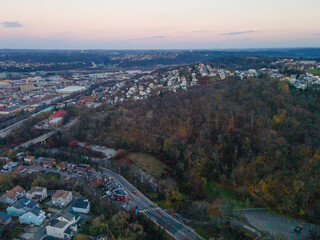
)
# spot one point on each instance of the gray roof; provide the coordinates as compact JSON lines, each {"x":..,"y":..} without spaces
{"x":58,"y":224}
{"x":36,"y":211}
{"x":23,"y":203}
{"x":4,"y":216}
{"x":81,"y":203}
{"x":66,"y":215}
{"x":68,"y":231}
{"x":36,"y":189}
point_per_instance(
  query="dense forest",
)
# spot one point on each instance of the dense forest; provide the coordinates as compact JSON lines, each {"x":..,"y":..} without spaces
{"x":259,"y":137}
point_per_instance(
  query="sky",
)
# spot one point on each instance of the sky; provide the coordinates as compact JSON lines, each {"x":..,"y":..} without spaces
{"x":159,"y":24}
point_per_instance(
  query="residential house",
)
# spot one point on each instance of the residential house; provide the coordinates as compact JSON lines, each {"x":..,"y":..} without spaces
{"x":10,"y":166}
{"x":29,"y":159}
{"x":21,"y":206}
{"x":48,"y":162}
{"x":62,"y":226}
{"x":61,"y":198}
{"x":120,"y":195}
{"x":81,"y":206}
{"x":34,"y":216}
{"x":58,"y":114}
{"x":38,"y":161}
{"x":93,"y":177}
{"x":97,"y":182}
{"x":82,"y":168}
{"x":13,"y":166}
{"x":88,"y":99}
{"x":62,"y":166}
{"x":18,"y":169}
{"x":37,"y":194}
{"x":56,"y":122}
{"x":5,"y":219}
{"x":11,"y":196}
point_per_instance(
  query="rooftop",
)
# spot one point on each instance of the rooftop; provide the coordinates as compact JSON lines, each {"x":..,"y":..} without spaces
{"x":81,"y":203}
{"x":58,"y":224}
{"x":36,"y":189}
{"x":12,"y":193}
{"x":71,"y":89}
{"x":66,"y":215}
{"x":61,"y":194}
{"x":4,"y":216}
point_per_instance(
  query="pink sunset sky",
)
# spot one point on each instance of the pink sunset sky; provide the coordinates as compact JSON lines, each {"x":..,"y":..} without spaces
{"x":159,"y":24}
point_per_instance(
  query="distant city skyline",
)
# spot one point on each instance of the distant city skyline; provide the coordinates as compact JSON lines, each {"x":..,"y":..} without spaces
{"x":145,"y":24}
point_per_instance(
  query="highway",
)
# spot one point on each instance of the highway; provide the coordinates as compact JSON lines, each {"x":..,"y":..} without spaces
{"x":6,"y":131}
{"x":172,"y":226}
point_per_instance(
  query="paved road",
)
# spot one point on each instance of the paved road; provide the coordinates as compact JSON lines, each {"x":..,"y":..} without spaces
{"x":6,"y":126}
{"x":6,"y":131}
{"x":175,"y":228}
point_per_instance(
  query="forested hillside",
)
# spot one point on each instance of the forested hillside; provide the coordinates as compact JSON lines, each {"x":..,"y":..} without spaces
{"x":256,"y":136}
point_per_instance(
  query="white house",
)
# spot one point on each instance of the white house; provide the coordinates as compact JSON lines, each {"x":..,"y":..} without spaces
{"x":12,"y":195}
{"x":37,"y":193}
{"x":61,"y":198}
{"x":81,"y":206}
{"x":62,"y":226}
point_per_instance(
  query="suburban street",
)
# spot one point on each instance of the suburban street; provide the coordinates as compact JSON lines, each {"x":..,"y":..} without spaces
{"x":172,"y":226}
{"x":6,"y":131}
{"x":175,"y":228}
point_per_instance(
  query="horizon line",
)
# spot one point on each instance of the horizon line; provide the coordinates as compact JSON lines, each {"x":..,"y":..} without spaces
{"x":157,"y":49}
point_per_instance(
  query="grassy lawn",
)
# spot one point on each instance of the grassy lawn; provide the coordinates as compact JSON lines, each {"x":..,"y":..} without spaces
{"x":213,"y":79}
{"x":81,"y":237}
{"x":233,"y":198}
{"x":148,"y":164}
{"x":315,"y":72}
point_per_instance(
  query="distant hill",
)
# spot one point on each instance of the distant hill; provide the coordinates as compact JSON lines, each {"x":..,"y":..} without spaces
{"x":155,"y":57}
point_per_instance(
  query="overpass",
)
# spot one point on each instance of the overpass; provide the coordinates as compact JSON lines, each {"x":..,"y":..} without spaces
{"x":42,"y":139}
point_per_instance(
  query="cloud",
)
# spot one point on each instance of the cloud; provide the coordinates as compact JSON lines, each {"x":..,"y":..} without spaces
{"x":11,"y":24}
{"x":199,"y":31}
{"x":239,"y":33}
{"x":157,"y":37}
{"x":152,"y":37}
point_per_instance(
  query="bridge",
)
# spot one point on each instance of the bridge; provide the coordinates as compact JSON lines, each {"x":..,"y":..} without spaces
{"x":41,"y":139}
